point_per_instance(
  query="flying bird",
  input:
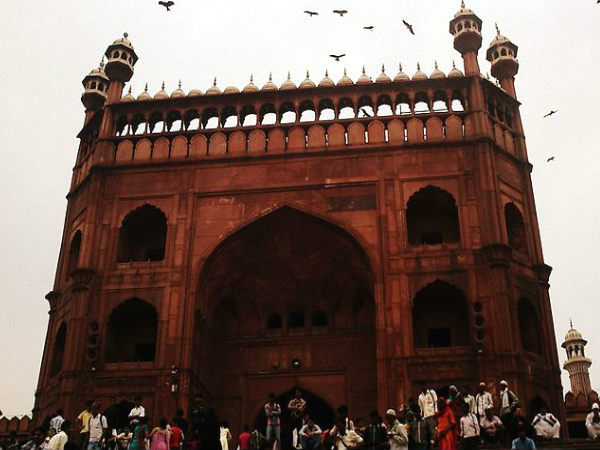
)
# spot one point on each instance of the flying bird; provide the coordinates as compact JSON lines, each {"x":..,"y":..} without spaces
{"x":341,"y":12}
{"x":371,"y":27}
{"x":365,"y":112}
{"x":337,"y":57}
{"x":311,"y":13}
{"x":408,"y":26}
{"x":167,"y":4}
{"x":550,"y":113}
{"x":550,"y":159}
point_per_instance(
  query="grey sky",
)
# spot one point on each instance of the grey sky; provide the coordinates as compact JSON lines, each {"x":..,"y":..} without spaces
{"x":47,"y":47}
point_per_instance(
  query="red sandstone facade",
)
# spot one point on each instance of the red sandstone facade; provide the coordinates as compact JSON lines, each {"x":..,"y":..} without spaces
{"x":353,"y":257}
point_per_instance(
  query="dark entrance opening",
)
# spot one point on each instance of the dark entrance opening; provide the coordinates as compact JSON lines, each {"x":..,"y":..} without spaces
{"x":320,"y":411}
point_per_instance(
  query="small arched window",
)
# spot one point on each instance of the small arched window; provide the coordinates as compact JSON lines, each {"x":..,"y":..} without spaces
{"x":132,"y":331}
{"x":515,"y":227}
{"x":74,"y":250}
{"x":143,"y":235}
{"x":319,"y":319}
{"x":274,"y":322}
{"x":432,"y":217}
{"x":296,"y":319}
{"x":529,"y":326}
{"x":58,"y":351}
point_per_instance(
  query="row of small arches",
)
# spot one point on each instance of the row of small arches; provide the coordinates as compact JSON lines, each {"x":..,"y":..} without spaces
{"x":278,"y":140}
{"x":234,"y":116}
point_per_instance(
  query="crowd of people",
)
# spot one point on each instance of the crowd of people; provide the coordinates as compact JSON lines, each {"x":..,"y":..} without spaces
{"x":461,"y":420}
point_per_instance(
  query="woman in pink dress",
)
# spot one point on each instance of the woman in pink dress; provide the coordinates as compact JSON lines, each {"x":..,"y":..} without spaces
{"x":160,"y":436}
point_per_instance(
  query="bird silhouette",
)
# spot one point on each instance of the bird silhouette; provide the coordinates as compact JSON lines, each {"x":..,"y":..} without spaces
{"x":550,"y":113}
{"x":370,"y":28}
{"x":167,"y":4}
{"x":311,"y":13}
{"x":365,"y":112}
{"x":341,"y":12}
{"x":337,"y":57}
{"x":408,"y":26}
{"x":550,"y":159}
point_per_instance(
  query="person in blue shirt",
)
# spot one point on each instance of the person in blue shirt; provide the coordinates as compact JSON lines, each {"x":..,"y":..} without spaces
{"x":523,"y":442}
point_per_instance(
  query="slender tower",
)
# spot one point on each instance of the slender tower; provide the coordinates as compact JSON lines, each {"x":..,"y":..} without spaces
{"x":577,"y":364}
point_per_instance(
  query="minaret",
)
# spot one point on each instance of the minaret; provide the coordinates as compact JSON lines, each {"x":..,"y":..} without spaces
{"x":503,"y":56}
{"x":466,"y":29}
{"x":577,"y":364}
{"x":96,"y":89}
{"x":119,"y":68}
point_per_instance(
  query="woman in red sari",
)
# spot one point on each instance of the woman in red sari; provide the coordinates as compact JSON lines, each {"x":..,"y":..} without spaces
{"x":447,"y":432}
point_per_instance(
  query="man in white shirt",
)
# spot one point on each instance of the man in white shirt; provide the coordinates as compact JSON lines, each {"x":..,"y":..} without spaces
{"x":57,"y":421}
{"x":483,"y":401}
{"x":546,"y":426}
{"x":428,"y":406}
{"x":310,"y":434}
{"x":58,"y":441}
{"x":592,"y":422}
{"x":469,"y":429}
{"x":97,"y":427}
{"x":491,"y":427}
{"x":397,"y":436}
{"x":344,"y":439}
{"x":136,"y":413}
{"x":468,"y":399}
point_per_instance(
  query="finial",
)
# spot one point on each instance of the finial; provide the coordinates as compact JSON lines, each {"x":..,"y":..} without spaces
{"x":251,"y":78}
{"x":126,"y":35}
{"x":497,"y":29}
{"x":307,"y":75}
{"x":436,"y":65}
{"x":383,"y":68}
{"x":462,"y":4}
{"x":418,"y":66}
{"x":345,"y":74}
{"x":571,"y":323}
{"x":326,"y":73}
{"x":453,"y":64}
{"x":364,"y":70}
{"x":215,"y":82}
{"x":289,"y":76}
{"x":129,"y":92}
{"x":270,"y":76}
{"x":163,"y":86}
{"x":146,"y":88}
{"x":101,"y":66}
{"x":179,"y":85}
{"x":400,"y":66}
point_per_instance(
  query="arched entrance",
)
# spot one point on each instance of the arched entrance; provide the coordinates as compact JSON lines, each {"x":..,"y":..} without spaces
{"x":286,"y":301}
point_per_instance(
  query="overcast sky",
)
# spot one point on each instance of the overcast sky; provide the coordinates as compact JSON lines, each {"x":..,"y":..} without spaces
{"x":47,"y":47}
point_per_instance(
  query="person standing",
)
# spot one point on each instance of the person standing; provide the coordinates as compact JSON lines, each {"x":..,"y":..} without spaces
{"x":397,"y":436}
{"x":224,"y":435}
{"x":545,"y":425}
{"x":98,"y":427}
{"x":344,"y":439}
{"x":310,"y":434}
{"x":82,"y":420}
{"x":124,"y":438}
{"x":483,"y":401}
{"x":469,"y":399}
{"x":447,"y":434}
{"x":296,"y":407}
{"x":160,"y":436}
{"x":58,"y":441}
{"x":375,"y":435}
{"x":343,"y":413}
{"x":456,"y":402}
{"x":140,"y":434}
{"x":469,"y":429}
{"x":245,"y":438}
{"x":417,"y":439}
{"x":57,"y":420}
{"x":592,"y":422}
{"x":273,"y":413}
{"x":136,"y":413}
{"x":37,"y":442}
{"x":428,"y":405}
{"x":177,"y":435}
{"x":508,"y":405}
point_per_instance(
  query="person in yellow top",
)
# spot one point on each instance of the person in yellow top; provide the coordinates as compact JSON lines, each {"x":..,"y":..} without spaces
{"x":83,"y":420}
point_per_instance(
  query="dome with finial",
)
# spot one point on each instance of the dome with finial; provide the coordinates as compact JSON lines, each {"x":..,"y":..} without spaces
{"x":177,"y":93}
{"x":345,"y":80}
{"x":99,"y":71}
{"x":401,"y":76}
{"x":124,"y":41}
{"x":364,"y":78}
{"x":307,"y":83}
{"x":288,"y":84}
{"x":573,"y":334}
{"x":231,"y":90}
{"x":162,"y":94}
{"x":129,"y":97}
{"x":251,"y":87}
{"x":463,"y":11}
{"x":195,"y":93}
{"x":418,"y":74}
{"x":501,"y":47}
{"x":326,"y":81}
{"x":144,"y":96}
{"x":455,"y":73}
{"x":383,"y":78}
{"x":213,"y":90}
{"x":269,"y":85}
{"x":437,"y":73}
